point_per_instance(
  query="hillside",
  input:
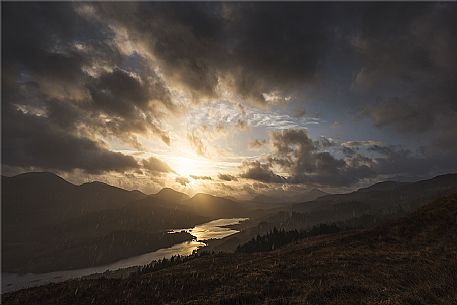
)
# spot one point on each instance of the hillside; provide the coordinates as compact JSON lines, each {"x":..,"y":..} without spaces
{"x":216,"y":207}
{"x":51,"y":224}
{"x":168,"y":194}
{"x":289,"y":198}
{"x":363,"y":208}
{"x":409,"y":261}
{"x":43,"y":198}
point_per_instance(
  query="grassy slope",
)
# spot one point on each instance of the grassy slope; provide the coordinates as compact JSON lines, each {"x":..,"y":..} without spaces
{"x":410,"y":261}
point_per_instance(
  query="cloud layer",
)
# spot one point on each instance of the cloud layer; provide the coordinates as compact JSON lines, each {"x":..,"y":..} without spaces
{"x":102,"y":87}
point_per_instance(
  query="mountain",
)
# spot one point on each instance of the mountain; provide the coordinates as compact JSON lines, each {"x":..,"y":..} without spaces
{"x":216,"y":207}
{"x":265,"y":199}
{"x":42,"y":198}
{"x":307,"y":196}
{"x":51,"y":224}
{"x":289,"y":198}
{"x":407,"y":261}
{"x":383,"y":186}
{"x":168,"y":194}
{"x":45,"y":217}
{"x":363,"y":208}
{"x":383,"y":196}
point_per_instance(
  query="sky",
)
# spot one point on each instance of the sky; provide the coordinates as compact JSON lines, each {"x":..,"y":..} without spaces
{"x":232,"y":99}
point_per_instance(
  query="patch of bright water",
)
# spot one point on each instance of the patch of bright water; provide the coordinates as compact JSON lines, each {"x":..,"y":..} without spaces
{"x":211,"y":230}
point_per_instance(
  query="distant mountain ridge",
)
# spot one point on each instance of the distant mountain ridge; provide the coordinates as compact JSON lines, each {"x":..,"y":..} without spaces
{"x":294,"y":198}
{"x":365,"y":207}
{"x":42,"y":214}
{"x":216,"y":207}
{"x":171,"y":195}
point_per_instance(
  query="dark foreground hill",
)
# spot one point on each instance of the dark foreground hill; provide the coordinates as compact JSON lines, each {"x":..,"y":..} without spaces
{"x":409,"y":261}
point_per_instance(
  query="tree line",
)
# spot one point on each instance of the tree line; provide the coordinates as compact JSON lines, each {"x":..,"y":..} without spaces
{"x":278,"y":238}
{"x":172,"y":261}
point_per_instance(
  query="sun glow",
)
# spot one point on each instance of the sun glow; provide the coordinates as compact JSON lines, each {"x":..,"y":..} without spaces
{"x":188,"y":166}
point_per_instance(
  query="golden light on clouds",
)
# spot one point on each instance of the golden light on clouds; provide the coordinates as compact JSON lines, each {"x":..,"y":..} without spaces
{"x":129,"y":103}
{"x":187,"y":166}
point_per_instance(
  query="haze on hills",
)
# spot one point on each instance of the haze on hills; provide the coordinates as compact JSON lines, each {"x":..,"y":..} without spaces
{"x":56,"y":225}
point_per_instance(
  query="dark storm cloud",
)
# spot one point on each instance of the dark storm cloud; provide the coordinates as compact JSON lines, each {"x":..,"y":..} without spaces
{"x":265,"y":47}
{"x":120,"y":93}
{"x":252,"y":45}
{"x":128,"y":100}
{"x":260,"y":171}
{"x":50,"y":101}
{"x":35,"y":38}
{"x":415,"y":50}
{"x":65,"y":74}
{"x":303,"y":161}
{"x":32,"y":142}
{"x":296,"y":153}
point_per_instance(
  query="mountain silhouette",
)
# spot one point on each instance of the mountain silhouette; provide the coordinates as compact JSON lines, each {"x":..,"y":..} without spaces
{"x":44,"y":217}
{"x":216,"y":207}
{"x":50,"y":224}
{"x":169,"y":194}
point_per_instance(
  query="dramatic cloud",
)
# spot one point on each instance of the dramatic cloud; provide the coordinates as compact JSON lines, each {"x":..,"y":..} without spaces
{"x":155,"y":165}
{"x":197,"y":144}
{"x":182,"y":180}
{"x":256,"y":144}
{"x":303,"y":162}
{"x":416,"y":68}
{"x":201,"y":177}
{"x":227,"y":177}
{"x":32,"y":143}
{"x":100,"y":87}
{"x":239,"y":45}
{"x":64,"y":86}
{"x":259,"y":171}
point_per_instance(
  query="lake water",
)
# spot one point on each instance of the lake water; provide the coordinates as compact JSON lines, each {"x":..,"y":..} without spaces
{"x":211,"y":230}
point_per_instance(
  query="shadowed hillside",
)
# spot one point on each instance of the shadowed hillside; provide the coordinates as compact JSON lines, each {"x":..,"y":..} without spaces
{"x":216,"y":207}
{"x":364,"y":208}
{"x":50,"y":224}
{"x":45,"y":198}
{"x":170,"y":195}
{"x":409,"y":261}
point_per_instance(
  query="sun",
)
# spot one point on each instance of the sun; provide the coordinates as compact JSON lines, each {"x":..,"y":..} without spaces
{"x":185,"y":166}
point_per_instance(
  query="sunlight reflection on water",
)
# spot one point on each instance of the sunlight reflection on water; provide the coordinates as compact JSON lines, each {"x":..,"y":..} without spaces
{"x":212,"y":230}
